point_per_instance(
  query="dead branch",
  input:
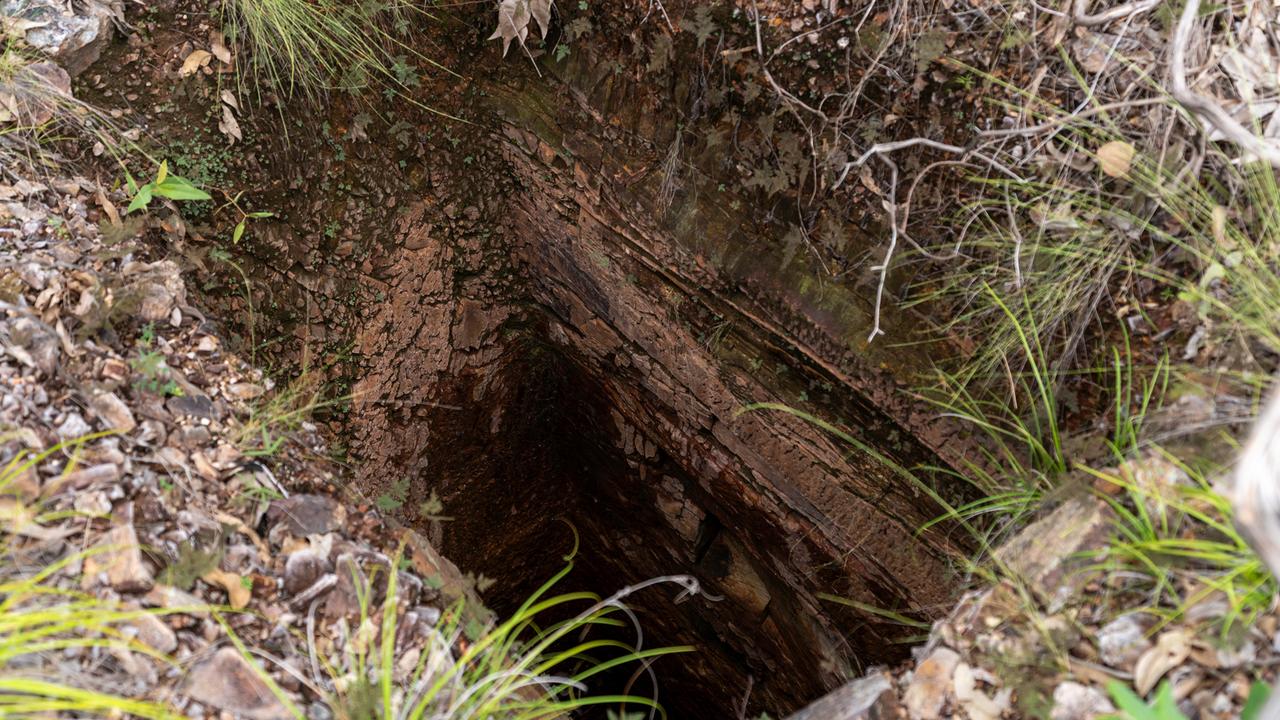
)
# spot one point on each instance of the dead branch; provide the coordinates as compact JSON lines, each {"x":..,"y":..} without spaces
{"x":1205,"y":108}
{"x":880,"y":150}
{"x":1081,"y":16}
{"x":662,"y":10}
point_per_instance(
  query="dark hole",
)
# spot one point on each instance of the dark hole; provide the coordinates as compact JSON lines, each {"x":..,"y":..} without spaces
{"x":559,"y":459}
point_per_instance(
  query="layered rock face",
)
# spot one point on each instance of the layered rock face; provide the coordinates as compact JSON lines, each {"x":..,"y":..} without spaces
{"x":564,"y":358}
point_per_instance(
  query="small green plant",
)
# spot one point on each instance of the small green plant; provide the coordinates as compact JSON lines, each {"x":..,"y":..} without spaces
{"x":394,"y":497}
{"x":150,"y":365}
{"x":433,"y":509}
{"x":527,"y":667}
{"x":1165,"y":707}
{"x":164,"y":185}
{"x":273,"y":420}
{"x":192,"y":563}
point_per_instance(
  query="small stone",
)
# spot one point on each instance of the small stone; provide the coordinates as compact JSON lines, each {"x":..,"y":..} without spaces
{"x":207,"y":344}
{"x":244,"y":391}
{"x":1122,"y":641}
{"x":37,"y":342}
{"x":205,"y":467}
{"x":928,"y":691}
{"x":868,"y":698}
{"x":191,"y":438}
{"x":194,"y":405}
{"x":153,"y":434}
{"x":153,"y":633}
{"x":302,"y":569}
{"x":303,"y":515}
{"x":1073,"y":701}
{"x":103,"y":474}
{"x":121,"y":560}
{"x":227,"y":682}
{"x":344,"y":601}
{"x":154,"y":302}
{"x":93,"y":503}
{"x":25,"y":484}
{"x":170,"y":598}
{"x":74,"y":38}
{"x":73,"y":426}
{"x":116,"y":370}
{"x":113,"y":412}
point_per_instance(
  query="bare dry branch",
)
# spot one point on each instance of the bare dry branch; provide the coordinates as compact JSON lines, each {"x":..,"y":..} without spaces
{"x":1081,"y":16}
{"x":1206,"y":108}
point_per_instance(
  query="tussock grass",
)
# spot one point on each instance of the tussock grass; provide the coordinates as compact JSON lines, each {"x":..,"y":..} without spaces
{"x":310,"y":47}
{"x":1181,"y":536}
{"x":274,"y":417}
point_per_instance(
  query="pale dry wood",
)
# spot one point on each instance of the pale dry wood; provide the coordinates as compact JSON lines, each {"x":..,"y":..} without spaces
{"x":1256,"y":499}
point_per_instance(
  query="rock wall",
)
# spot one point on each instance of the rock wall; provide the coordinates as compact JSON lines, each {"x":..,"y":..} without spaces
{"x":556,"y":345}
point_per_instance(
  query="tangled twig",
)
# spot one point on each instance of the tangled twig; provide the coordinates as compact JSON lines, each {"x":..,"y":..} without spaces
{"x":880,"y":150}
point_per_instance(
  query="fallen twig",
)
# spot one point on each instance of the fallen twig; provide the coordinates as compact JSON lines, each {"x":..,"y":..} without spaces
{"x":1081,"y":16}
{"x":1207,"y":109}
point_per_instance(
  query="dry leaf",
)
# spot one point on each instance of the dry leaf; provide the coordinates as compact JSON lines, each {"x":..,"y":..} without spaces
{"x":229,"y":126}
{"x":109,"y":208}
{"x":1220,"y":237}
{"x":513,"y":23}
{"x":514,"y":17}
{"x":19,"y":519}
{"x":219,"y":47}
{"x":237,"y":594}
{"x":8,"y":107}
{"x":196,"y":60}
{"x":1169,"y":652}
{"x":976,"y":703}
{"x":1115,"y":158}
{"x":229,"y":98}
{"x":868,"y":180}
{"x":240,"y":526}
{"x":541,"y":12}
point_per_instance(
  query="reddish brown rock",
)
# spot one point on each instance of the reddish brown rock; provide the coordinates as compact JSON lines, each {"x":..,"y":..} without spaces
{"x":227,"y":682}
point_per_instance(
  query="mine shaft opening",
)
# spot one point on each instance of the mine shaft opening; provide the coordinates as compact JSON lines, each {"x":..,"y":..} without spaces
{"x":564,"y":463}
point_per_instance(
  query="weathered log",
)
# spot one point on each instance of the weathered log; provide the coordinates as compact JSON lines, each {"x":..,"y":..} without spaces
{"x":1255,"y":497}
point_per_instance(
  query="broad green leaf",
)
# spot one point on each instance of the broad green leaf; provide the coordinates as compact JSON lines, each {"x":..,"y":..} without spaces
{"x":1258,"y":696}
{"x":1131,"y":706}
{"x":238,"y":232}
{"x":141,"y":199}
{"x":164,"y":172}
{"x":1166,"y":708}
{"x":176,"y":188}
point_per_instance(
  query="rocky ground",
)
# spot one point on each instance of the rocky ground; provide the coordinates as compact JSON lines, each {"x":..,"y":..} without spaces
{"x":1053,"y":632}
{"x":166,"y":463}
